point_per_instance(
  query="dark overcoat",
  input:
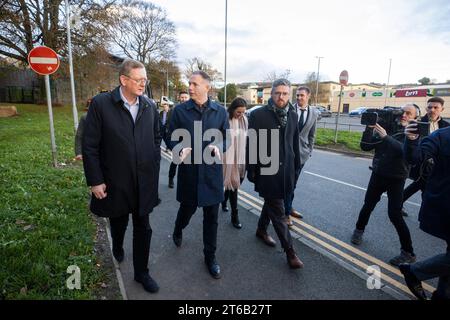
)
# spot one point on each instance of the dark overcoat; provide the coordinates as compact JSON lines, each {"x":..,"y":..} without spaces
{"x":122,"y":154}
{"x":434,"y":214}
{"x":199,"y":184}
{"x":282,"y":182}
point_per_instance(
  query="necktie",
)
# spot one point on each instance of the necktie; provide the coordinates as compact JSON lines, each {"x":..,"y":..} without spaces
{"x":302,"y":120}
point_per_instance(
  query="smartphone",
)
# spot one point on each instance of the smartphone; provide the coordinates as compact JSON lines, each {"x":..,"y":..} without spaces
{"x":422,"y":129}
{"x":369,"y":118}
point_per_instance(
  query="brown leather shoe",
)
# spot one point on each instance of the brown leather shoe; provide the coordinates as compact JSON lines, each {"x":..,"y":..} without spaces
{"x":296,"y":214}
{"x":266,"y":238}
{"x":292,"y":259}
{"x":289,"y":221}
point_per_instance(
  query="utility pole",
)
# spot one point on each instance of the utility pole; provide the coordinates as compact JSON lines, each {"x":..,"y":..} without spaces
{"x":317,"y":80}
{"x":225,"y":71}
{"x":72,"y":81}
{"x":389,"y":78}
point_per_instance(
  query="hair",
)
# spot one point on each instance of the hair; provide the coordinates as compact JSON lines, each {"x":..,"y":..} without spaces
{"x":182,"y":92}
{"x":236,"y":103}
{"x":280,"y":82}
{"x":436,"y":99}
{"x":308,"y":90}
{"x":129,"y":64}
{"x":202,"y":74}
{"x":418,"y":113}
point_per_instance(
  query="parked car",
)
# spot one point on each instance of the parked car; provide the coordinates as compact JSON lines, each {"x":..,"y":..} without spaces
{"x":357,"y":112}
{"x":324,"y":112}
{"x":248,"y":111}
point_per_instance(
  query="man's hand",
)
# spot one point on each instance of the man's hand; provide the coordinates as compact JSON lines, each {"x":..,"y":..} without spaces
{"x":380,"y":130}
{"x":215,"y":151}
{"x":99,"y":191}
{"x":410,"y":131}
{"x":79,"y":157}
{"x":184,"y":153}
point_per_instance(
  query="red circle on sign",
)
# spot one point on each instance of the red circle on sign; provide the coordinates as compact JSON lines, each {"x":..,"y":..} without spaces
{"x":343,"y":78}
{"x":43,"y":60}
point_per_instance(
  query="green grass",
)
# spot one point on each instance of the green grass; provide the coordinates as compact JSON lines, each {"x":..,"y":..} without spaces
{"x":346,"y":139}
{"x":44,"y":219}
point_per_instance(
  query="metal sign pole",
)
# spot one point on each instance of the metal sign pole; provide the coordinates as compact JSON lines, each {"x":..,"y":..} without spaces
{"x":50,"y":114}
{"x":338,"y":115}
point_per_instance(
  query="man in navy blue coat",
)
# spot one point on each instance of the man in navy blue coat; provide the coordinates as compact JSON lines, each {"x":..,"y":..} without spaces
{"x":200,"y":181}
{"x":434,"y":215}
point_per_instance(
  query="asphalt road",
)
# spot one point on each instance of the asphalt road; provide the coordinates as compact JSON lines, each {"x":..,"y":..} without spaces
{"x":329,"y":194}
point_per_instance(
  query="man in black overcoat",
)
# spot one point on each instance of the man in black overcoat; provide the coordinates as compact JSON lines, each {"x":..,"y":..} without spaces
{"x":121,"y":156}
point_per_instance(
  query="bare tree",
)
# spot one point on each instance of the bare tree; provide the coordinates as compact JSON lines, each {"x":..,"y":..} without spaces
{"x":27,"y":23}
{"x":196,"y":63}
{"x":143,"y":32}
{"x":273,"y":75}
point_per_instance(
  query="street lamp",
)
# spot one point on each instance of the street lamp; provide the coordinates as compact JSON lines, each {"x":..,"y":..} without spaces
{"x":225,"y":71}
{"x":387,"y":84}
{"x":72,"y":81}
{"x":317,"y":80}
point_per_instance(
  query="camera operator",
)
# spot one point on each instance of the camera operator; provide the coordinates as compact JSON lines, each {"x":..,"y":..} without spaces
{"x":418,"y":173}
{"x":389,"y":173}
{"x":434,"y":215}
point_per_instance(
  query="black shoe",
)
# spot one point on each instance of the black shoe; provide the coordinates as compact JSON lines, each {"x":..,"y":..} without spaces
{"x":414,"y":284}
{"x":171,"y":184}
{"x":119,"y":254}
{"x":177,"y":238}
{"x":213,"y":268}
{"x":235,"y":220}
{"x":224,"y":207}
{"x":147,"y":282}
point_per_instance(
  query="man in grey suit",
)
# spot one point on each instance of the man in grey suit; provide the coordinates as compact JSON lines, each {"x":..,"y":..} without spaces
{"x":307,"y":116}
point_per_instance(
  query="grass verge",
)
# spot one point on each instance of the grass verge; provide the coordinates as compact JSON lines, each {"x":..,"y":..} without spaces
{"x":45,"y":222}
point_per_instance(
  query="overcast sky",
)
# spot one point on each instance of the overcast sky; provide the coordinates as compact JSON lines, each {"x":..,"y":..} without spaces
{"x":359,"y":36}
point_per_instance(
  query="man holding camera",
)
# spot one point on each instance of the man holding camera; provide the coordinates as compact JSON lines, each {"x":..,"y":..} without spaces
{"x":434,"y":215}
{"x":389,"y":173}
{"x":435,"y":106}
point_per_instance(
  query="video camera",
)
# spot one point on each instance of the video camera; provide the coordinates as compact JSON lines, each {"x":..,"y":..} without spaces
{"x":388,"y":117}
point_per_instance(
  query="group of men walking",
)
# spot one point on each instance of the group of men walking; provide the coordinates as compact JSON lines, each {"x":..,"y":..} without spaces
{"x":210,"y":145}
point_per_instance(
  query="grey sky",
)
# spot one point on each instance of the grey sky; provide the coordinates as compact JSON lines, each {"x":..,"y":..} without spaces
{"x":359,"y":36}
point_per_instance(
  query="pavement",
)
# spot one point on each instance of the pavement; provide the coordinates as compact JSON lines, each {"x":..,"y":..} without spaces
{"x":250,"y":269}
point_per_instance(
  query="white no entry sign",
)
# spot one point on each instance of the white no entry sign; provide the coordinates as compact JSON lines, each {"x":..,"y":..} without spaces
{"x":43,"y":60}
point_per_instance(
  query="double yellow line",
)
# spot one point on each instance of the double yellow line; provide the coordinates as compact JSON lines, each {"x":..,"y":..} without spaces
{"x":359,"y":258}
{"x":311,"y":233}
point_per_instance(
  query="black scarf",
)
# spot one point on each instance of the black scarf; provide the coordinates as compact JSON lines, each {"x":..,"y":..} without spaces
{"x":282,"y":113}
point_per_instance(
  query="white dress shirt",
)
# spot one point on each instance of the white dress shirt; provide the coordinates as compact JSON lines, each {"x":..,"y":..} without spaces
{"x":133,"y":108}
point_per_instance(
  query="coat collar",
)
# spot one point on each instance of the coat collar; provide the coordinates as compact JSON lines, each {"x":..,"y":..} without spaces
{"x":117,"y":99}
{"x":190,"y":104}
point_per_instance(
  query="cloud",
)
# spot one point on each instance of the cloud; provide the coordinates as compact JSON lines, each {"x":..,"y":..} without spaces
{"x":360,"y":36}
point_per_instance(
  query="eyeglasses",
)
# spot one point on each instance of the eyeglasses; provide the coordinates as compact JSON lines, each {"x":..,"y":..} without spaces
{"x":140,"y":81}
{"x":279,"y":94}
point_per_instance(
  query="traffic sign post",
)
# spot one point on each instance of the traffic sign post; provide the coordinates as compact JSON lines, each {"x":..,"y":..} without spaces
{"x":45,"y":61}
{"x":343,"y":80}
